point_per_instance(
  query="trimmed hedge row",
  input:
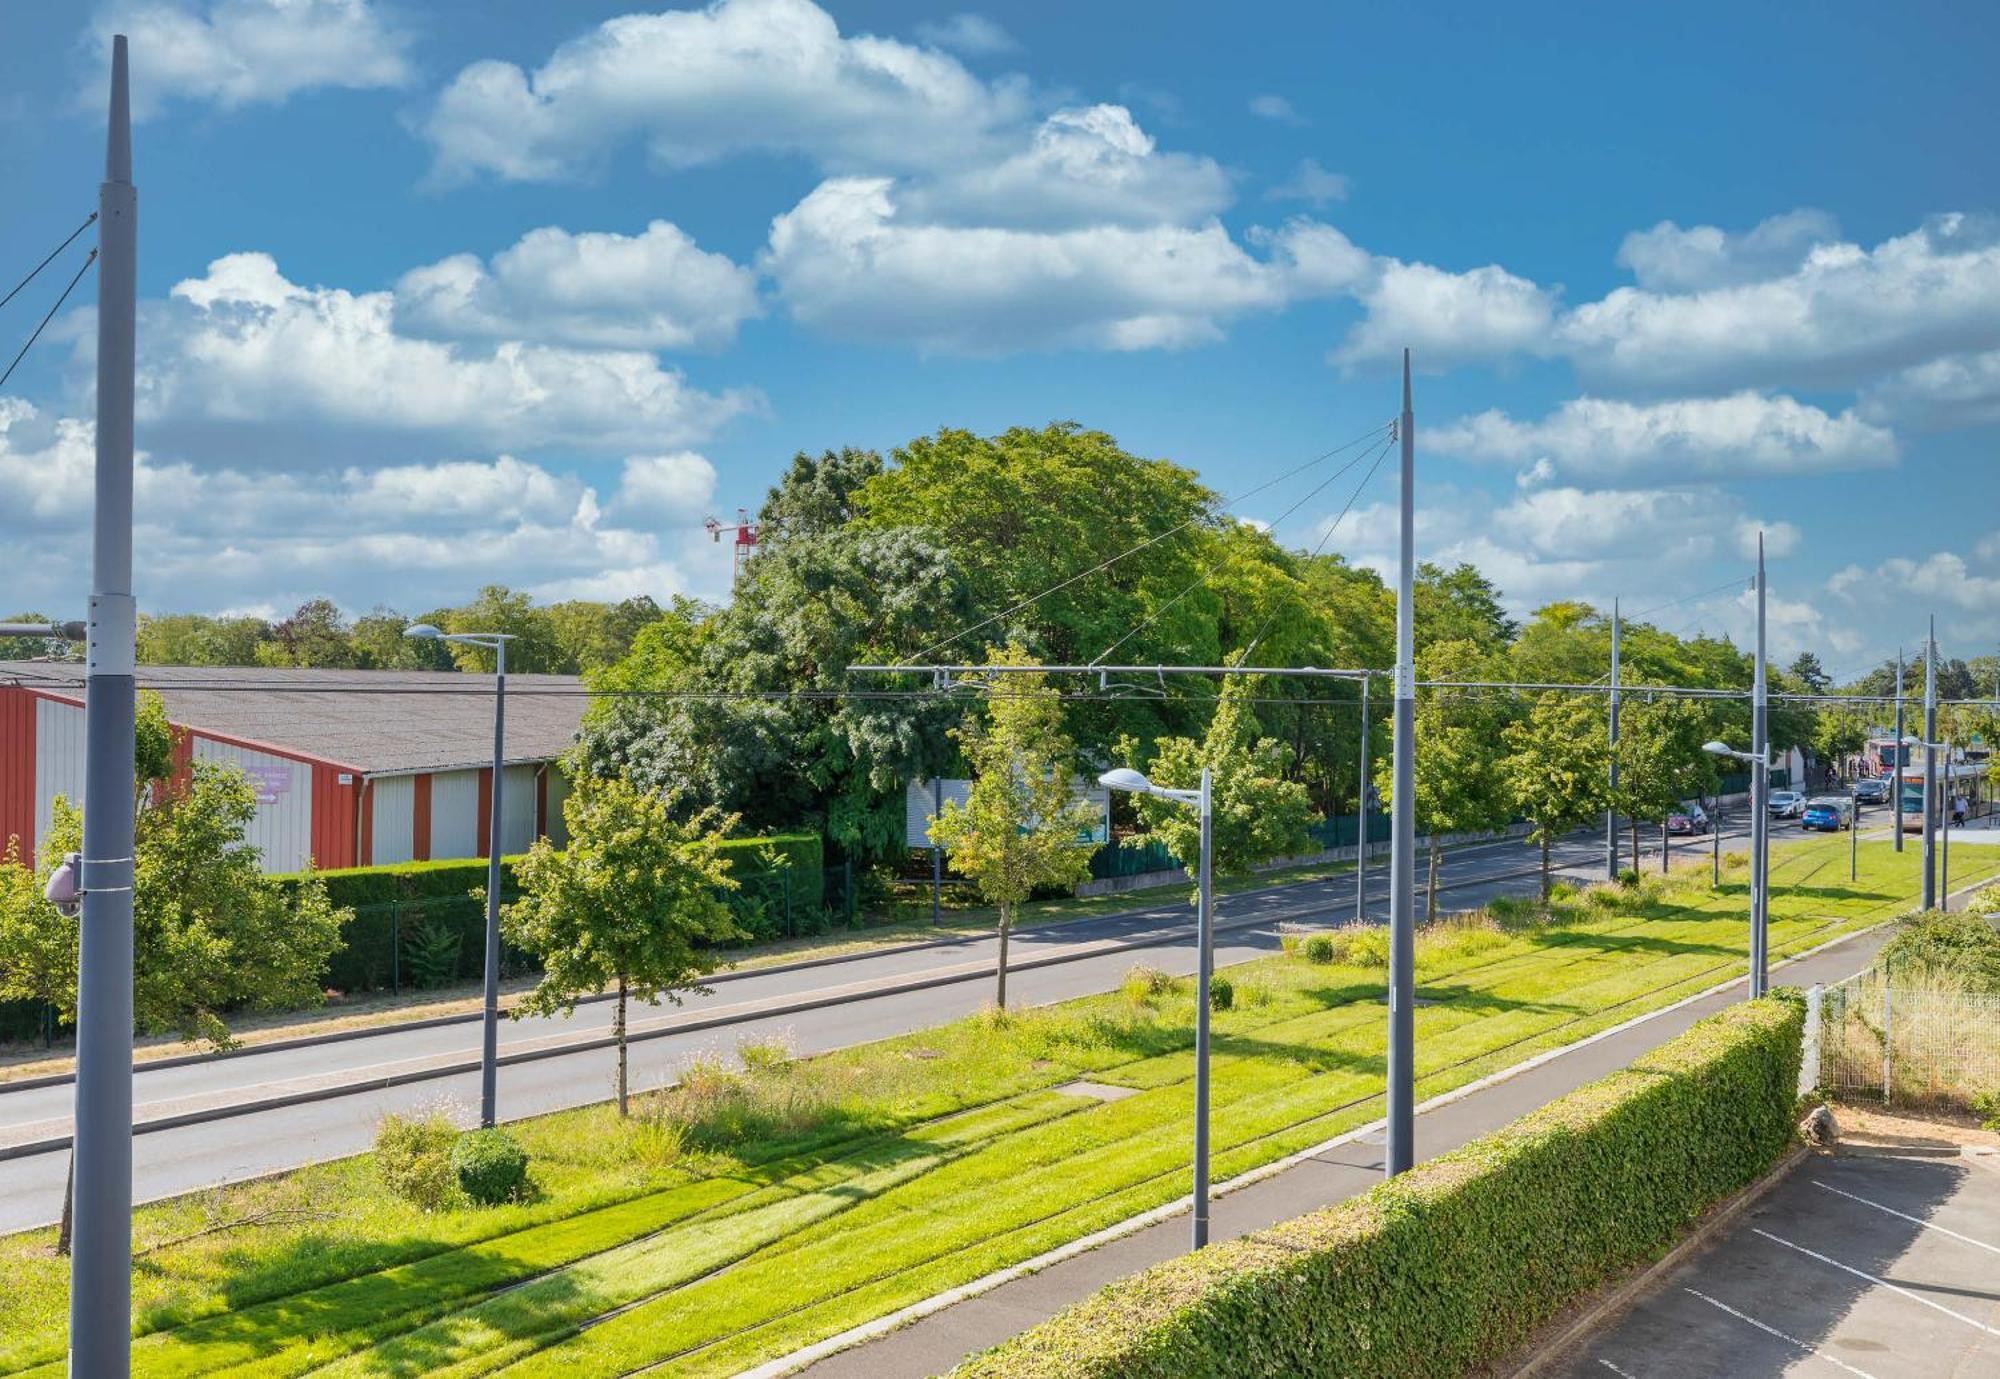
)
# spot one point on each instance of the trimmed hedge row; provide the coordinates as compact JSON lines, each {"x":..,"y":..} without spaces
{"x":1456,"y":1263}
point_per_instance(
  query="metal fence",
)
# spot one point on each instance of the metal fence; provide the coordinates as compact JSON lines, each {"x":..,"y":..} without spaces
{"x":1909,"y":1045}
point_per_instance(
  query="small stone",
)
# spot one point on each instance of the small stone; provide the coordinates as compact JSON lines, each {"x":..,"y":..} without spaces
{"x":1818,"y":1127}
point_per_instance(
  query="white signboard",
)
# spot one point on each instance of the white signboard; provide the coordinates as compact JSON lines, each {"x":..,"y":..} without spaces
{"x":922,"y":799}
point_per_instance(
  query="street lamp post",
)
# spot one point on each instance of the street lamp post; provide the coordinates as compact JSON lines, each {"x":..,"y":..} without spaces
{"x":1759,"y":884}
{"x":1201,"y":799}
{"x":489,"y":1054}
{"x":1853,"y":830}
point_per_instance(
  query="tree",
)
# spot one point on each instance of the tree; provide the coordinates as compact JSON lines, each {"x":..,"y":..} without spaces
{"x":595,"y":635}
{"x":194,"y":639}
{"x":1459,"y":605}
{"x":1555,"y":767}
{"x":1257,"y":813}
{"x":632,"y":902}
{"x":379,"y":643}
{"x":497,"y":608}
{"x":1460,"y":784}
{"x":1660,"y":760}
{"x":37,"y":942}
{"x":1019,"y":824}
{"x":1807,"y":670}
{"x":316,"y":634}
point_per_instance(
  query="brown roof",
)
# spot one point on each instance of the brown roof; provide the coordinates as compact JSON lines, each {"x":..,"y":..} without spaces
{"x":379,"y":722}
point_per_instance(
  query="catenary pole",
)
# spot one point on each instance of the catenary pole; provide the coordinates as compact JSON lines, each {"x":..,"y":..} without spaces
{"x":1205,"y":966}
{"x":489,"y":1060}
{"x":1401,"y":1138}
{"x":1930,"y":767}
{"x":1760,"y":797}
{"x":1361,"y":822}
{"x":100,"y":1300}
{"x":1900,"y":763}
{"x":1611,"y":806}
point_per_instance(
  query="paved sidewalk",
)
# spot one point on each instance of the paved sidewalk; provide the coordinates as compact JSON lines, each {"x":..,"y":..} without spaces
{"x":936,"y":1343}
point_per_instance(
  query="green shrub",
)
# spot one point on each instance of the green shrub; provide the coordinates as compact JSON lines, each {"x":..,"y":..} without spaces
{"x":763,"y":1055}
{"x":1319,"y":948}
{"x":430,"y":953}
{"x":1562,"y":892}
{"x":1289,"y":944}
{"x":1957,"y":950}
{"x":491,"y":1166}
{"x":414,"y":1156}
{"x":1604,"y":898}
{"x":1454,"y":1265}
{"x":1362,"y":945}
{"x":1221,"y":992}
{"x":1628,"y":877}
{"x":1142,"y":983}
{"x":1987,"y":1107}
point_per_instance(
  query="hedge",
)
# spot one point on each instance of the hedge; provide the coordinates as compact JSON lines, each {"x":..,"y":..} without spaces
{"x":1456,"y":1263}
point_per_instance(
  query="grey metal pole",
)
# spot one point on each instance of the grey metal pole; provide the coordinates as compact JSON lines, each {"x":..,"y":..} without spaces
{"x":489,"y":1053}
{"x":1361,"y":821}
{"x":1401,"y":1138}
{"x":1760,"y":799}
{"x":1715,"y":844}
{"x":1611,"y":807}
{"x":1853,"y":831}
{"x":1205,"y":964}
{"x":1930,"y":768}
{"x":937,"y":853}
{"x":1899,"y":749}
{"x":100,"y":1298}
{"x":1944,"y":832}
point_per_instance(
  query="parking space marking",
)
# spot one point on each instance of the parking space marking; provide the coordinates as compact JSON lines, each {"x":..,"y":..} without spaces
{"x":1879,"y":1282}
{"x":1613,"y":1368}
{"x":1916,"y":1220}
{"x":1808,"y":1348}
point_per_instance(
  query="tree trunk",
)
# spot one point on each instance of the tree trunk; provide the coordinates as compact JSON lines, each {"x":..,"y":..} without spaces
{"x":69,"y":1199}
{"x":1635,"y":842}
{"x":1431,"y":886}
{"x":618,"y":1033}
{"x":1666,"y":843}
{"x":1006,"y":925}
{"x":1545,"y":867}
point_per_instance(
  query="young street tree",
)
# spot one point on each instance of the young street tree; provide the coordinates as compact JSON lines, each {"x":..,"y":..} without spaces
{"x":1258,"y":814}
{"x":1555,"y":768}
{"x":1660,"y":760}
{"x":1020,"y":825}
{"x":1461,"y":786}
{"x":631,"y":903}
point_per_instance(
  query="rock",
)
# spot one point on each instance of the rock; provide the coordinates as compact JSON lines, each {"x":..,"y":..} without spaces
{"x":1818,"y":1127}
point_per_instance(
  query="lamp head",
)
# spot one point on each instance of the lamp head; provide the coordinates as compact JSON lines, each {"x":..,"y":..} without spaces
{"x":422,"y":631}
{"x":1718,"y":749}
{"x":1126,"y":779}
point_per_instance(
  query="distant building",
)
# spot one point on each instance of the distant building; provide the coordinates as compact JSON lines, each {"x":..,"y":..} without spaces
{"x":351,"y":767}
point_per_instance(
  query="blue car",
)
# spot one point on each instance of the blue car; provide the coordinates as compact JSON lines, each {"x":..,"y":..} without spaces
{"x":1829,"y":813}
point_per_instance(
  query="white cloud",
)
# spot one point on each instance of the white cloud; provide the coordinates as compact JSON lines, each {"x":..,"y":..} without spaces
{"x":1445,"y":318}
{"x":846,"y":262}
{"x":972,"y":34}
{"x":1956,"y":390}
{"x":1606,"y":440}
{"x":665,"y":486}
{"x":1942,"y":578}
{"x":234,"y":53}
{"x":654,"y":290}
{"x":740,"y":76}
{"x":244,"y":345}
{"x":1667,"y":258}
{"x":1311,"y":184}
{"x":1274,"y":107}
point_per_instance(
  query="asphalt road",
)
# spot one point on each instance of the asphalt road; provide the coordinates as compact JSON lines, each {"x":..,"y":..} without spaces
{"x":1084,"y":956}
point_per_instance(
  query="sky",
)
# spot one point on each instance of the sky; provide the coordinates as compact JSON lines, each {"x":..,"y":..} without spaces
{"x":445,"y":294}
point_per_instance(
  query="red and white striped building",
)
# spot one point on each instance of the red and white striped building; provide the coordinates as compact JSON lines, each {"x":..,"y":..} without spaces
{"x":351,"y":767}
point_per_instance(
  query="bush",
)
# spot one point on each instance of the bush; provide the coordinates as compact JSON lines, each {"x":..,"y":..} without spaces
{"x":1628,"y":877}
{"x":1455,"y":1264}
{"x":1957,"y":950}
{"x":414,"y":1156}
{"x":1143,"y":983}
{"x":491,"y":1166}
{"x":1987,"y":1107}
{"x":1362,"y":945}
{"x":1319,"y":949}
{"x":1221,"y":992}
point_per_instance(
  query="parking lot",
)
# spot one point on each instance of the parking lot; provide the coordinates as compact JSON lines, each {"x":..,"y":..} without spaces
{"x":1878,"y":1266}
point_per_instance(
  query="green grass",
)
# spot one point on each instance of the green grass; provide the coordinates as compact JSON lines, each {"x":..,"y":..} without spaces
{"x":744,"y":1215}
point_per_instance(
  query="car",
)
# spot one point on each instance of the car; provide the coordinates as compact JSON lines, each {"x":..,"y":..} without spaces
{"x":1786,"y":804}
{"x":1873,"y":790}
{"x":1829,"y":812}
{"x":1688,"y":819}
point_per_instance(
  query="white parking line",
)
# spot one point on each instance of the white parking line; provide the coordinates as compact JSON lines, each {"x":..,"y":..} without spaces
{"x":1917,"y":1220}
{"x":1811,"y":1350}
{"x":1880,"y":1282}
{"x":1613,"y":1368}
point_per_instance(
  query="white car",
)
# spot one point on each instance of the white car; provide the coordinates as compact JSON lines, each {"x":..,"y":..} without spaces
{"x":1787,"y":804}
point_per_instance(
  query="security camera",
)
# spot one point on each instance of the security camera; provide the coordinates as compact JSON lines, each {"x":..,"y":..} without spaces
{"x":65,"y":888}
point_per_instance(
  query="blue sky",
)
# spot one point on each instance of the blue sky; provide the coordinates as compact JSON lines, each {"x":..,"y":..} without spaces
{"x":436,"y":295}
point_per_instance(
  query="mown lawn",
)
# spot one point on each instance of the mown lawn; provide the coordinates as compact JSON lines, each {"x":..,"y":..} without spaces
{"x":742,"y":1215}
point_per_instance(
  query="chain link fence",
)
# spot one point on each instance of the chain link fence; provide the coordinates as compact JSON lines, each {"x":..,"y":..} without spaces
{"x":1908,"y":1044}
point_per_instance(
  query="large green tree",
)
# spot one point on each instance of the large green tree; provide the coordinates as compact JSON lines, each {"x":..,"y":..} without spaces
{"x":1020,"y":824}
{"x":1660,"y":759}
{"x":633,"y":902}
{"x":1557,"y":760}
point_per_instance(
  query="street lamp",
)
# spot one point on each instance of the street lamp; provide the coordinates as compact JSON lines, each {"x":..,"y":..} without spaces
{"x":489,"y":1056}
{"x":1938,"y":808}
{"x":1760,"y":911}
{"x":1134,"y":783}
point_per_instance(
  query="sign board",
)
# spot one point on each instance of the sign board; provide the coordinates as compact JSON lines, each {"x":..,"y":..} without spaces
{"x":269,"y":782}
{"x":921,"y":799}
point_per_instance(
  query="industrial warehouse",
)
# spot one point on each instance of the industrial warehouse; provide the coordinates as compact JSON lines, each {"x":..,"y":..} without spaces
{"x":351,"y":767}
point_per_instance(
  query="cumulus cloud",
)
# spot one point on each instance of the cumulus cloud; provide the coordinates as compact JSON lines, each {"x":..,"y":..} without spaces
{"x":243,"y":344}
{"x":233,"y":53}
{"x":740,"y":76}
{"x":664,"y":486}
{"x":1447,"y":318}
{"x":1667,"y":258}
{"x":1608,"y":440}
{"x":1956,"y":390}
{"x":975,"y":35}
{"x":654,"y":290}
{"x":1311,"y":184}
{"x":846,"y":262}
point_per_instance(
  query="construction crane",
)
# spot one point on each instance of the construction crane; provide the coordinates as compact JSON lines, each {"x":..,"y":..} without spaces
{"x":745,"y":540}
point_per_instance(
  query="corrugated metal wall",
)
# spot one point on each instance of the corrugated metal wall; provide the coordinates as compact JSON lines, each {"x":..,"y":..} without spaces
{"x":282,"y":830}
{"x":395,"y":819}
{"x":454,"y":814}
{"x":517,"y":810}
{"x":17,"y":770}
{"x":558,"y":791}
{"x":58,"y":760}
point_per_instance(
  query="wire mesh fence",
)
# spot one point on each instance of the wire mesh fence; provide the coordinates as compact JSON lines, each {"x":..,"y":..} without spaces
{"x":1910,"y":1044}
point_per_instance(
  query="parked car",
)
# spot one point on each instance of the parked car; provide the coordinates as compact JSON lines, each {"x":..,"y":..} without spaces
{"x":1688,"y":819}
{"x":1873,"y":790}
{"x":1828,"y":812}
{"x":1787,"y":804}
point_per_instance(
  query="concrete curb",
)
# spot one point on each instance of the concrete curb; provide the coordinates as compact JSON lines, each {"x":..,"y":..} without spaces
{"x":867,"y":1331}
{"x":1623,"y":1294}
